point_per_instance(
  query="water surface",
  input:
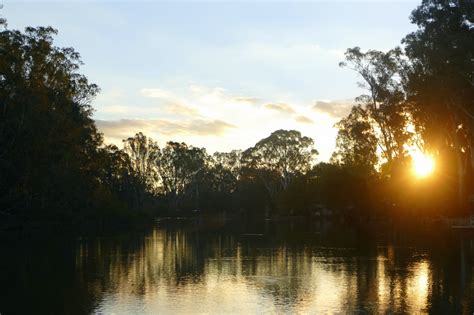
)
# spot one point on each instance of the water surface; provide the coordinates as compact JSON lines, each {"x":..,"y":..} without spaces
{"x":228,"y":267}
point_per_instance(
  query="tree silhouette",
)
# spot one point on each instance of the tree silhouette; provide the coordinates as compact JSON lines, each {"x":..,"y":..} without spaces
{"x":441,"y":80}
{"x":356,"y":143}
{"x":144,"y":155}
{"x":179,"y":167}
{"x":385,"y":105}
{"x":48,"y":139}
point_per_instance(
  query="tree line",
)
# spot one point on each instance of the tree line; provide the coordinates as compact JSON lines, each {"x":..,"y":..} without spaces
{"x":54,"y":163}
{"x":419,"y":96}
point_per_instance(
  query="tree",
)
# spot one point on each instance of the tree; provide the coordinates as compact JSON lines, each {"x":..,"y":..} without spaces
{"x":144,"y":155}
{"x":224,"y":168}
{"x":279,"y":158}
{"x":441,"y":79}
{"x":356,"y":143}
{"x":118,"y":174}
{"x":3,"y":21}
{"x":48,"y":140}
{"x":179,"y":167}
{"x":385,"y":106}
{"x":231,"y":161}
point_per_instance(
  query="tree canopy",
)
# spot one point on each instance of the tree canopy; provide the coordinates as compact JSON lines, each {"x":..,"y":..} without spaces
{"x":420,"y":96}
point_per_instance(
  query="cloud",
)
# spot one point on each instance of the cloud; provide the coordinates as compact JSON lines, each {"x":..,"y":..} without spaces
{"x":116,"y":130}
{"x":216,"y":118}
{"x":304,"y":120}
{"x":335,"y":109}
{"x":208,"y":127}
{"x":281,"y":107}
{"x":156,"y":93}
{"x":170,"y":103}
{"x":247,"y":99}
{"x":195,"y":88}
{"x":115,"y":109}
{"x":220,"y":96}
{"x":182,"y":110}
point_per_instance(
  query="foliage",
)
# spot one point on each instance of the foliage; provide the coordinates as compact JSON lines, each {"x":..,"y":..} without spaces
{"x":356,"y":143}
{"x":179,"y":167}
{"x":421,"y":99}
{"x":144,"y":155}
{"x":441,"y":80}
{"x":384,"y":107}
{"x":54,"y":164}
{"x":48,"y":140}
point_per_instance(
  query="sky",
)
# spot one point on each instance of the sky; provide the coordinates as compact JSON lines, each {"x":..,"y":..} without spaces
{"x":220,"y":75}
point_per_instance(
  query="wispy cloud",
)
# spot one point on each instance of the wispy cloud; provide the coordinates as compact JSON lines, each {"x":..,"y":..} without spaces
{"x":181,"y":110}
{"x":216,"y":118}
{"x":280,"y":107}
{"x":207,"y":127}
{"x":116,"y":109}
{"x":247,"y":99}
{"x":304,"y":120}
{"x":221,"y":96}
{"x":116,"y":130}
{"x":156,"y":93}
{"x":336,"y":109}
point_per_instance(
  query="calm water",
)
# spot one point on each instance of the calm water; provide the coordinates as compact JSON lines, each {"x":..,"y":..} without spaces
{"x":204,"y":267}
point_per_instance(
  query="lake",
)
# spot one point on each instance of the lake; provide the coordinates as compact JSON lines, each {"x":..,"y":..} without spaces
{"x":197,"y":266}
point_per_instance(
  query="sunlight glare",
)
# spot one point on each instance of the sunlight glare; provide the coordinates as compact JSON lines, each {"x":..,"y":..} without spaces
{"x":423,"y":164}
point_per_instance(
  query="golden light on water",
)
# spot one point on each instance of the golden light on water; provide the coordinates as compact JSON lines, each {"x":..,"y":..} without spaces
{"x":158,"y":277}
{"x":423,"y":164}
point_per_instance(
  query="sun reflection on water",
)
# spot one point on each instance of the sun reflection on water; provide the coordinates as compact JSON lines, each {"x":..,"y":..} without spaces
{"x":171,"y":273}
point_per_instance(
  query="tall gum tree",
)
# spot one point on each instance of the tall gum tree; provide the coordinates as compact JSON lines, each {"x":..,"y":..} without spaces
{"x":279,"y":158}
{"x":144,"y":155}
{"x":384,"y":105}
{"x":441,"y":79}
{"x":48,"y":140}
{"x":180,"y":166}
{"x":356,"y":144}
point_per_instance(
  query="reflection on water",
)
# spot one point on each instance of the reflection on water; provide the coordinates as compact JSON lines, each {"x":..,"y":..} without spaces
{"x":268,"y":268}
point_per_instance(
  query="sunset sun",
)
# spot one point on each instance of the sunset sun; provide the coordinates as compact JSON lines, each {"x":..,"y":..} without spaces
{"x":238,"y":157}
{"x":423,"y":164}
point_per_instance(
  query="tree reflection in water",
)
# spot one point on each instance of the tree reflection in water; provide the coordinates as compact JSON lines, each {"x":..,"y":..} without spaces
{"x":270,"y":267}
{"x":278,"y":268}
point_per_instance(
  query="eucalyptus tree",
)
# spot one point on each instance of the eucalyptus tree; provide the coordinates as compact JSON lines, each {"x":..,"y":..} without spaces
{"x":179,"y":167}
{"x":48,"y":140}
{"x":231,"y":161}
{"x":144,"y":156}
{"x":441,"y":78}
{"x":356,"y":143}
{"x":118,"y":174}
{"x":279,"y":158}
{"x":225,"y":169}
{"x":383,"y":76}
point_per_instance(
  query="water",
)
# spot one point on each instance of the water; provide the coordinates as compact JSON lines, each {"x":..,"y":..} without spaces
{"x":258,"y":268}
